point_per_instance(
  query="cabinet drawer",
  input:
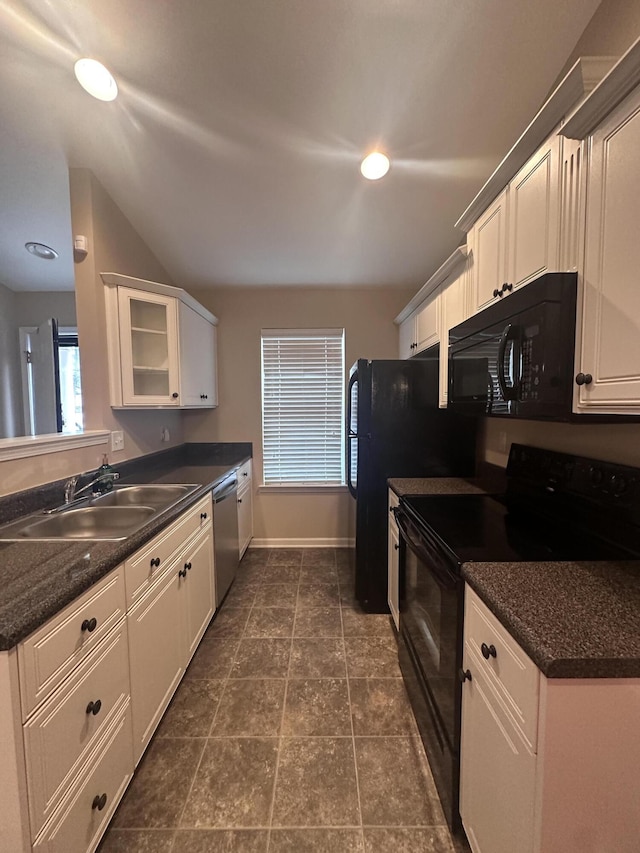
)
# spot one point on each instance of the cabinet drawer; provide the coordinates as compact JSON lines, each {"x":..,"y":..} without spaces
{"x":244,"y":474}
{"x":394,"y":501}
{"x":48,"y":655}
{"x":62,"y":731}
{"x":149,"y":562}
{"x":511,"y":672}
{"x":77,"y":825}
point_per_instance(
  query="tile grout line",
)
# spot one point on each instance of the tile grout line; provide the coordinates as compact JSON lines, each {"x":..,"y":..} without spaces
{"x":353,"y":737}
{"x":284,"y":706}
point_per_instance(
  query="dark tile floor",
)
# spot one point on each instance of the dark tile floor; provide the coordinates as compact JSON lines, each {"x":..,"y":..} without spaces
{"x":291,"y":731}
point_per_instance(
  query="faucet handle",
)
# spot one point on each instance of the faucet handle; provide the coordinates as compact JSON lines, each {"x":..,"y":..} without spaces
{"x":69,"y":489}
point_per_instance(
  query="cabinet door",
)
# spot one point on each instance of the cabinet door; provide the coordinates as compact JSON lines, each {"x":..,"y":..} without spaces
{"x":156,"y":654}
{"x":427,"y":324}
{"x":497,"y":772}
{"x":489,"y":246}
{"x":611,"y":300}
{"x":198,"y":385}
{"x":245,"y":518}
{"x":197,"y":589}
{"x":453,"y":310}
{"x":534,"y":215}
{"x":393,"y":563}
{"x":407,"y":337}
{"x":148,"y":348}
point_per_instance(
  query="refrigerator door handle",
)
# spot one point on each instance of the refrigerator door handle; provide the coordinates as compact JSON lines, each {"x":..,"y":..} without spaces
{"x":351,"y":435}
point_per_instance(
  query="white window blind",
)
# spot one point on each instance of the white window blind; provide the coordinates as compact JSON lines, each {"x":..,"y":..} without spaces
{"x":303,"y":406}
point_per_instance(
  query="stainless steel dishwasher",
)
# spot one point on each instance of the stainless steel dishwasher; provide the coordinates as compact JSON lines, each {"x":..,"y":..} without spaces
{"x":225,"y":534}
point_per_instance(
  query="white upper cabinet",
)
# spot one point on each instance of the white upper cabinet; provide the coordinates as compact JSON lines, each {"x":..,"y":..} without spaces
{"x":454,"y":309}
{"x":609,"y":357}
{"x":161,"y":346}
{"x":488,"y":239}
{"x":534,"y":215}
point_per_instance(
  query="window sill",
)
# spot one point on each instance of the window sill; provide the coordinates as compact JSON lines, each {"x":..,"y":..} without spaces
{"x":314,"y":488}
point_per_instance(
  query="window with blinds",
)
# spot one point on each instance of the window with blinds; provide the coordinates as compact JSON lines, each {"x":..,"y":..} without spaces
{"x":303,"y":406}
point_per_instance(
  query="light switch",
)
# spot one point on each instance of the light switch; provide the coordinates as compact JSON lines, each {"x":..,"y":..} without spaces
{"x":117,"y":440}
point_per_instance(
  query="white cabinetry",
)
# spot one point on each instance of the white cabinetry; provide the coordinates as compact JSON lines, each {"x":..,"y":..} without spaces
{"x":516,"y":239}
{"x":171,"y":581}
{"x":547,"y":765}
{"x":421,"y":330}
{"x":161,"y":346}
{"x":609,"y":355}
{"x":245,"y":507}
{"x":454,"y":309}
{"x":393,"y":561}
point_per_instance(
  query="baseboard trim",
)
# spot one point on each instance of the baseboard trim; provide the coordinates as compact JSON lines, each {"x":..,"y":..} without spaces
{"x":302,"y":543}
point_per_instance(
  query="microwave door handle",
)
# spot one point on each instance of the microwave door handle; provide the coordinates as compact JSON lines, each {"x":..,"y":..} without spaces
{"x":510,"y":333}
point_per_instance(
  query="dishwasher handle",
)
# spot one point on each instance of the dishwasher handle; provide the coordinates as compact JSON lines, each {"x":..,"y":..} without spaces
{"x":225,"y":489}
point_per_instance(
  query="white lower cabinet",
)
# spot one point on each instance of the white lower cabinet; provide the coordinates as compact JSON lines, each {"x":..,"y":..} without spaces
{"x":393,"y":561}
{"x":154,"y":625}
{"x":171,"y":616}
{"x":81,"y":697}
{"x":245,"y":507}
{"x":79,"y":823}
{"x":547,"y":765}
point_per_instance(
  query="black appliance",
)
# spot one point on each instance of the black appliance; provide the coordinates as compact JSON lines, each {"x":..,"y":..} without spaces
{"x":556,"y":507}
{"x":516,"y":357}
{"x":395,"y":429}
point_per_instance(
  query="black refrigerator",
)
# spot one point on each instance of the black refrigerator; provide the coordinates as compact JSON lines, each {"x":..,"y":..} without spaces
{"x":396,"y":429}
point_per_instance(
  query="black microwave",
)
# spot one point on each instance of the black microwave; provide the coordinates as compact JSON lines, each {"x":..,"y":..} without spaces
{"x":516,"y":358}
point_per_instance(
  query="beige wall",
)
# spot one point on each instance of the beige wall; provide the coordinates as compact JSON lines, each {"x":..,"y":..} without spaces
{"x":611,"y":31}
{"x":366,"y":315}
{"x":114,"y":246}
{"x":11,"y":416}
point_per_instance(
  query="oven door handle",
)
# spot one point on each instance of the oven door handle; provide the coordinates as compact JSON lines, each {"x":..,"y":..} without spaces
{"x":411,"y":536}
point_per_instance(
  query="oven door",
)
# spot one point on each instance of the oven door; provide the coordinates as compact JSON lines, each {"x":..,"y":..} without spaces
{"x":430,"y":649}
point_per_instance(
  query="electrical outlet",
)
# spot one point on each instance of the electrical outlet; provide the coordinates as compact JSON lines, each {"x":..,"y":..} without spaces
{"x":117,"y":440}
{"x":164,"y":434}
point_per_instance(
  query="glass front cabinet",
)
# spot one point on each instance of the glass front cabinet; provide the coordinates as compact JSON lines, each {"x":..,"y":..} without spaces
{"x":162,"y":348}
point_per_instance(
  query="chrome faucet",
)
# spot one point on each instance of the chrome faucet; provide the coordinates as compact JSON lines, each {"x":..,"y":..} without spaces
{"x":71,"y":493}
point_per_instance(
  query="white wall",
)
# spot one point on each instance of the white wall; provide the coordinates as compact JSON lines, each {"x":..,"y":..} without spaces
{"x":114,"y":246}
{"x":11,"y":415}
{"x":367,"y":317}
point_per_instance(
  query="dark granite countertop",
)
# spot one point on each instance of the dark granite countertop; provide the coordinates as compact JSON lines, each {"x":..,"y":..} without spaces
{"x":573,"y":619}
{"x":436,"y":486}
{"x":38,"y":579}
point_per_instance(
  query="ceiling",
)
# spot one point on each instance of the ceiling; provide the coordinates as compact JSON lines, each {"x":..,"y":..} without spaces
{"x":234,"y":145}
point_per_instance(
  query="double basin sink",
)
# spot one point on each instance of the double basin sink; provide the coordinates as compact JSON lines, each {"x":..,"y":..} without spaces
{"x":112,"y":516}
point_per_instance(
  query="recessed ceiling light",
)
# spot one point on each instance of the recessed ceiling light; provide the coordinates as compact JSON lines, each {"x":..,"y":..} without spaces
{"x":96,"y":79}
{"x":375,"y":165}
{"x":41,"y":251}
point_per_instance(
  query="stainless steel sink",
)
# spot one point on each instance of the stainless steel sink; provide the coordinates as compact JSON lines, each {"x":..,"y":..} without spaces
{"x":88,"y":523}
{"x":112,"y":516}
{"x":155,"y":496}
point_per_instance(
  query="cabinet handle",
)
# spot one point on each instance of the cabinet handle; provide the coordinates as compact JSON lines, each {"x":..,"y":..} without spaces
{"x":245,"y":473}
{"x":182,"y":573}
{"x":584,"y":379}
{"x":89,"y":625}
{"x":175,"y":395}
{"x":488,"y":651}
{"x":155,"y":562}
{"x":507,"y":286}
{"x":396,"y":546}
{"x":187,"y":566}
{"x":94,"y":707}
{"x":464,"y":675}
{"x":239,"y":500}
{"x":203,"y":515}
{"x":99,"y":802}
{"x":204,"y":396}
{"x":496,"y":292}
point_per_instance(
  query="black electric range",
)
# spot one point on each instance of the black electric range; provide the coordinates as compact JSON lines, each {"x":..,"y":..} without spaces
{"x":556,"y":507}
